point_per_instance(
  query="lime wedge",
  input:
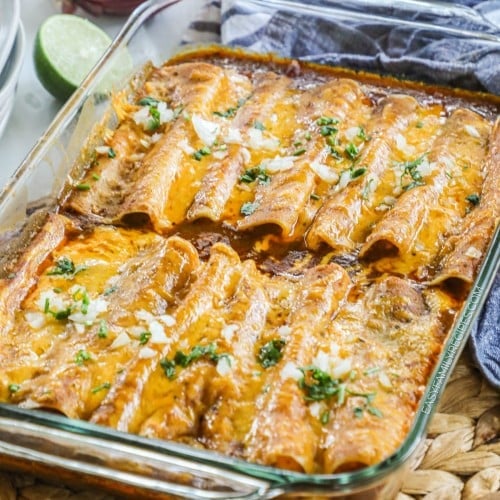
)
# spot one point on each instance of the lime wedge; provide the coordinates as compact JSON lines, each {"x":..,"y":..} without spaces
{"x":66,"y":49}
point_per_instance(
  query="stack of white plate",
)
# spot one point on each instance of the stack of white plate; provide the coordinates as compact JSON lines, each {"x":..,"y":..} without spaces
{"x":12,"y":45}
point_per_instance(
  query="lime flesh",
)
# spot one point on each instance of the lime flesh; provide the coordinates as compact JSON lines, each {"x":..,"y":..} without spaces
{"x":66,"y":49}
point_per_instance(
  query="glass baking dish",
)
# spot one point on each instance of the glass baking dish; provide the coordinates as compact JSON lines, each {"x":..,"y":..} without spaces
{"x":76,"y":451}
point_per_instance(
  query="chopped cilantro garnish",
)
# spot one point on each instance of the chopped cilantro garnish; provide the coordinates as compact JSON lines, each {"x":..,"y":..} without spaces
{"x":358,"y":412}
{"x":148,"y":101}
{"x":155,"y":120}
{"x":372,"y":370}
{"x":248,"y":208}
{"x":410,"y":168}
{"x":111,"y":153}
{"x":358,"y":172}
{"x":85,"y":303}
{"x":315,"y":197}
{"x":96,"y":177}
{"x":103,"y":329}
{"x":327,"y":130}
{"x":473,"y":198}
{"x":110,"y":290}
{"x":419,"y":124}
{"x":335,"y":153}
{"x":362,"y":134}
{"x":230,"y":112}
{"x":104,"y":385}
{"x":299,"y":152}
{"x":326,"y":120}
{"x":83,"y":186}
{"x":325,"y":417}
{"x":198,"y":155}
{"x":81,"y":357}
{"x":307,"y":136}
{"x":57,"y":289}
{"x":258,"y":125}
{"x":254,"y":174}
{"x":168,"y":367}
{"x":14,"y":388}
{"x":65,"y":267}
{"x":271,"y":352}
{"x":144,"y":337}
{"x":374,"y":411}
{"x":317,"y":384}
{"x":183,"y":360}
{"x":351,"y":151}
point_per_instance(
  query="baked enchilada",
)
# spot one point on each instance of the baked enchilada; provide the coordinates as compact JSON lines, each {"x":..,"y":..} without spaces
{"x":262,"y":259}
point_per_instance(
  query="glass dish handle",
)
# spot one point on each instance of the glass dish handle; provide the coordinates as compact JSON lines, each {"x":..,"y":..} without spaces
{"x":104,"y":461}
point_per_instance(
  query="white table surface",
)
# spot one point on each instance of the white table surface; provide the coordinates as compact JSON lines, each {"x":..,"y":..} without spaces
{"x":34,"y":108}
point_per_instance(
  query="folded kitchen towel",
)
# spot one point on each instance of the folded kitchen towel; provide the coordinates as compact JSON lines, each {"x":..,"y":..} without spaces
{"x":411,"y":52}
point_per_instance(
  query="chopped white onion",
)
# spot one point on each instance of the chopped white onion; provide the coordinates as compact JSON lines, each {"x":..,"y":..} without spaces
{"x":34,"y":319}
{"x":284,"y":331}
{"x":56,"y":301}
{"x":279,"y":163}
{"x":351,"y":133}
{"x":233,"y":136}
{"x":224,"y":365}
{"x":245,"y":155}
{"x":403,"y":146}
{"x":384,"y":380}
{"x":102,"y":150}
{"x":219,"y":155}
{"x":344,"y":366}
{"x":473,"y":252}
{"x":146,"y":353}
{"x":166,"y":114}
{"x":345,"y":178}
{"x":143,"y":315}
{"x":207,"y":131}
{"x":157,"y":333}
{"x":472,"y":131}
{"x":228,"y":331}
{"x":256,"y":140}
{"x":324,"y":172}
{"x":184,"y":146}
{"x":316,"y":409}
{"x":290,"y":370}
{"x":167,"y":320}
{"x":121,"y":340}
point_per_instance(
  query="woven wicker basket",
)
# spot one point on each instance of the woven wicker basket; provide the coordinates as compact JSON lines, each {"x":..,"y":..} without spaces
{"x":459,"y":460}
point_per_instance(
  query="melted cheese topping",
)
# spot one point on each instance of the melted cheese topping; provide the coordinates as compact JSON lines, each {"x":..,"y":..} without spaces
{"x":283,"y":297}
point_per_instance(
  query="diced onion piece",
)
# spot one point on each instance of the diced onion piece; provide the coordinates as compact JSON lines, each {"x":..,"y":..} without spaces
{"x":256,"y":140}
{"x":384,"y":380}
{"x":166,"y":114}
{"x":167,"y":320}
{"x":79,"y":327}
{"x":233,"y":136}
{"x":403,"y":146}
{"x":146,"y":353}
{"x":351,"y":133}
{"x":345,"y":178}
{"x":121,"y":340}
{"x":473,"y":252}
{"x":184,"y":146}
{"x":143,"y":315}
{"x":56,"y":301}
{"x":135,"y":331}
{"x":322,"y":361}
{"x":142,"y":117}
{"x":228,"y":331}
{"x":155,"y":137}
{"x":284,"y":331}
{"x":207,"y":131}
{"x":316,"y":409}
{"x":344,"y":366}
{"x":324,"y":172}
{"x":472,"y":131}
{"x":389,"y":200}
{"x":425,"y":168}
{"x":279,"y":164}
{"x":290,"y":370}
{"x":246,"y":155}
{"x":224,"y":365}
{"x":157,"y":333}
{"x":102,"y":150}
{"x":219,"y":155}
{"x":35,"y":319}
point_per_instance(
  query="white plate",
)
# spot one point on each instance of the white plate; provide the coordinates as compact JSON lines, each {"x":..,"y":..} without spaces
{"x":9,"y":77}
{"x":9,"y":23}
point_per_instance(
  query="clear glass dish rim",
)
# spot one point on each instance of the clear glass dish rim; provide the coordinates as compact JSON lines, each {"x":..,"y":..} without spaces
{"x":278,"y":477}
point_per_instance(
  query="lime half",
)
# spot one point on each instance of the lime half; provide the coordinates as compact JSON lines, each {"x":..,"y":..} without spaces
{"x":66,"y":49}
